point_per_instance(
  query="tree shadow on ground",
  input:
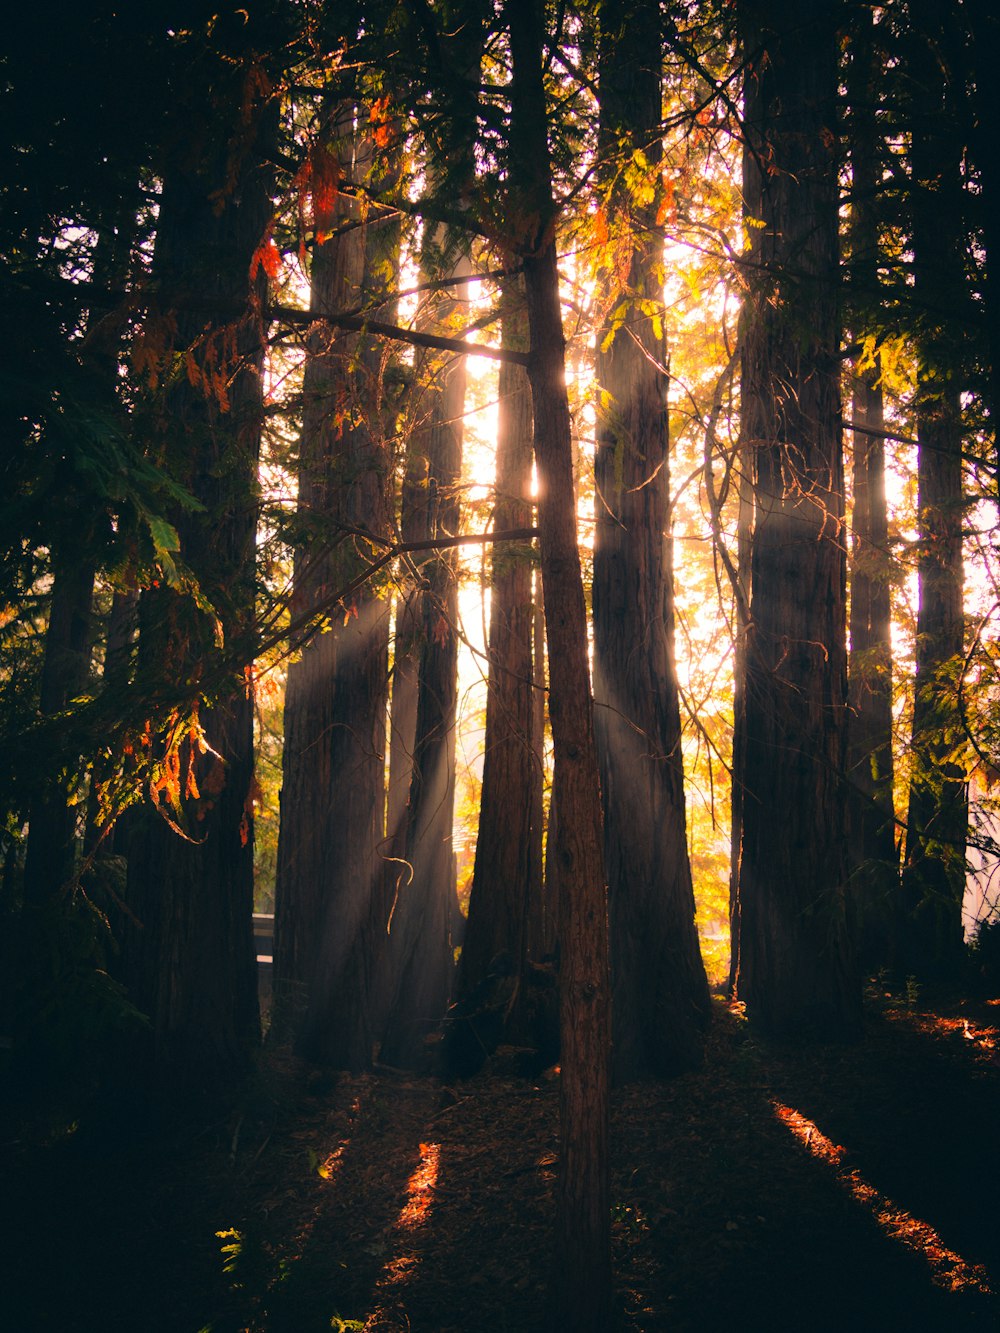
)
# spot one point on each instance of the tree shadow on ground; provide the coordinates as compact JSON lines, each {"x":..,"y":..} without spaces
{"x":793,"y":1195}
{"x":772,"y":1190}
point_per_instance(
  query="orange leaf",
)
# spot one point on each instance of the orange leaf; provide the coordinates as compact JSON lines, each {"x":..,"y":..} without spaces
{"x":325,"y":187}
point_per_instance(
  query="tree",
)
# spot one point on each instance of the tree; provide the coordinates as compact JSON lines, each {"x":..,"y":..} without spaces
{"x":872,"y":827}
{"x":930,"y":932}
{"x":188,"y":949}
{"x":422,"y":915}
{"x":660,"y":992}
{"x":506,"y":884}
{"x":797,"y":971}
{"x":330,"y":908}
{"x":421,"y":959}
{"x":582,"y":1260}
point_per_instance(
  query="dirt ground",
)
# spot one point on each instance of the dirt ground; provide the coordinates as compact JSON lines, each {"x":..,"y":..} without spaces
{"x":847,"y":1188}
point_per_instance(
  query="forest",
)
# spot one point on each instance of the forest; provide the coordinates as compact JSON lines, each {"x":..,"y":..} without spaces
{"x":499,"y":665}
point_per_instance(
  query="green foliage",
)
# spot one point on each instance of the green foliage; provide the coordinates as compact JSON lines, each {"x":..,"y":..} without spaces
{"x":276,"y":1291}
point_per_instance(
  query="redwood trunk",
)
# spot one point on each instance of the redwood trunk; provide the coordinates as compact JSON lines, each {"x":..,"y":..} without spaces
{"x":582,"y":1285}
{"x":426,"y":906}
{"x":420,"y":931}
{"x":188,"y":955}
{"x":330,"y":909}
{"x":660,"y":991}
{"x":872,"y":826}
{"x":507,"y":874}
{"x":797,"y":973}
{"x":929,"y":943}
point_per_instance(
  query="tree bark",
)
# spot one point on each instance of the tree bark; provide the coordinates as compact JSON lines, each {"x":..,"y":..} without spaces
{"x":69,"y":640}
{"x":420,"y":944}
{"x":660,"y":992}
{"x":330,"y":905}
{"x":507,"y":874}
{"x":797,"y":971}
{"x":929,"y":941}
{"x":188,"y":951}
{"x":744,"y":550}
{"x":420,"y":930}
{"x":582,"y":1268}
{"x":874,"y":861}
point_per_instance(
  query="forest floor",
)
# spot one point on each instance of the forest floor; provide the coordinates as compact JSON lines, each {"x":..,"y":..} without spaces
{"x":844,"y":1188}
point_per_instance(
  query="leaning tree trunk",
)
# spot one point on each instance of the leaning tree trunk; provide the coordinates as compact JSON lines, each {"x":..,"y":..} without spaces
{"x":188,"y":951}
{"x":507,"y":875}
{"x":582,"y":1268}
{"x":660,"y":992}
{"x":874,"y":862}
{"x":929,"y":941}
{"x":330,"y":910}
{"x":797,"y":972}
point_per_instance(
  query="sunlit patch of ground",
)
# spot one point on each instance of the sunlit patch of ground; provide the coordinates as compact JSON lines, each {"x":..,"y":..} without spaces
{"x":949,"y":1269}
{"x":420,"y":1187}
{"x":983,"y":1039}
{"x":408,"y":1206}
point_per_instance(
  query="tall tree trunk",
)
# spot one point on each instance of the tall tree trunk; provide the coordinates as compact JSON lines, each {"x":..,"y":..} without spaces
{"x":330,"y":908}
{"x":426,"y":905}
{"x":507,"y":873}
{"x":797,"y":972}
{"x":660,"y":992}
{"x":744,"y":549}
{"x":874,"y":861}
{"x":420,"y":932}
{"x":542,"y":929}
{"x":188,"y":953}
{"x":930,"y":934}
{"x":582,"y":1267}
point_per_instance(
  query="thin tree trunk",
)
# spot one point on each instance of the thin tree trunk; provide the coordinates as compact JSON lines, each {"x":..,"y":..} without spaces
{"x":929,"y":943}
{"x":744,"y":548}
{"x":660,"y":992}
{"x":582,"y":1266}
{"x":797,"y":972}
{"x":874,"y":861}
{"x":542,"y":929}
